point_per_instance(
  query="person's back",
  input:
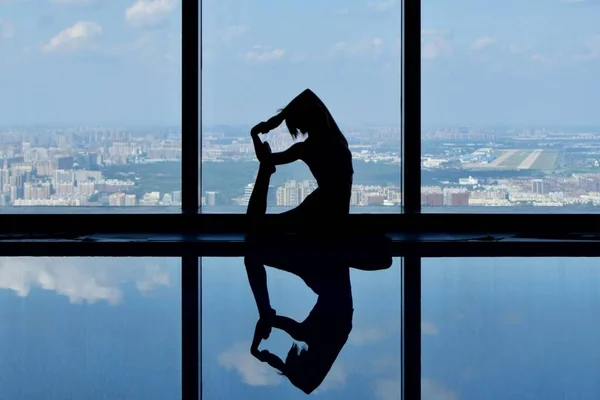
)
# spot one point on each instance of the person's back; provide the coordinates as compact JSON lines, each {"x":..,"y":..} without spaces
{"x":329,"y":160}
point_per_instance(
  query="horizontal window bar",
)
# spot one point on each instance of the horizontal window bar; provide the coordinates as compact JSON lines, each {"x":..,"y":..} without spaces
{"x":234,"y":245}
{"x":556,"y":225}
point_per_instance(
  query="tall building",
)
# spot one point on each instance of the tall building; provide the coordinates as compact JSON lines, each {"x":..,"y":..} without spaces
{"x":65,"y":162}
{"x":177,"y":196}
{"x":211,"y":198}
{"x":456,"y":197}
{"x":62,"y":176}
{"x":86,"y":188}
{"x":116,"y":199}
{"x":432,"y":196}
{"x":539,"y":186}
{"x":130,"y":200}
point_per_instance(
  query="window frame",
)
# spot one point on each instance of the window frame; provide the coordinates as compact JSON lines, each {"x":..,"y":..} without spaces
{"x":191,"y":219}
{"x":192,"y":234}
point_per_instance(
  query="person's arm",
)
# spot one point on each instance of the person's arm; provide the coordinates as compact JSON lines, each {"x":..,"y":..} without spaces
{"x":289,"y":326}
{"x":293,"y":153}
{"x":273,"y":360}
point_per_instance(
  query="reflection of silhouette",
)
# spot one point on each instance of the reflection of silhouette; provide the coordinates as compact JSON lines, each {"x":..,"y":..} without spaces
{"x":325,"y":151}
{"x":325,"y":330}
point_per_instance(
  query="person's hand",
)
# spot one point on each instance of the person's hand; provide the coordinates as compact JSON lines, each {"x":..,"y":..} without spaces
{"x":265,"y":325}
{"x":261,"y":355}
{"x":259,"y":128}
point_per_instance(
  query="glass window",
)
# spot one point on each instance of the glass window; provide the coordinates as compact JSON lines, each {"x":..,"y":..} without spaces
{"x":518,"y":328}
{"x":259,"y":55}
{"x":367,"y":364}
{"x":508,"y":107}
{"x":90,"y":328}
{"x":90,"y":106}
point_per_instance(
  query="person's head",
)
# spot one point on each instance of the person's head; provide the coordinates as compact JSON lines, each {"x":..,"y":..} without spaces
{"x":306,"y":114}
{"x":301,"y":370}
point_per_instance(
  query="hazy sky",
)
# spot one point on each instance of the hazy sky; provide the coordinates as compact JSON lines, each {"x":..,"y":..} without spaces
{"x":119,"y":61}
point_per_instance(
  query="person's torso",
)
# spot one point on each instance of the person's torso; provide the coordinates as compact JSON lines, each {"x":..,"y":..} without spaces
{"x":330,"y":162}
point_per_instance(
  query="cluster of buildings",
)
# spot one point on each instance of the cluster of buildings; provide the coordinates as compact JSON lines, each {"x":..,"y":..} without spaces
{"x":293,"y":192}
{"x":64,"y":167}
{"x":577,"y":189}
{"x":217,"y":148}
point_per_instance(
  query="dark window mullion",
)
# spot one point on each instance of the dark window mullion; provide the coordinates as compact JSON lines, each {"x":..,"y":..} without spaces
{"x":190,"y":105}
{"x":411,"y":106}
{"x":190,"y":327}
{"x":411,"y":328}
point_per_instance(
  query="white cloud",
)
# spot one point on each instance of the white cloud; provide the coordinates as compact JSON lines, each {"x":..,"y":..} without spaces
{"x":71,"y":2}
{"x":149,"y":12}
{"x":7,"y":30}
{"x":89,"y":280}
{"x":483,"y":43}
{"x":435,"y":44}
{"x":252,"y":371}
{"x":429,"y":328}
{"x":75,"y":37}
{"x":261,"y":54}
{"x":431,"y":390}
{"x":382,"y":5}
{"x":364,"y":46}
{"x":436,"y":48}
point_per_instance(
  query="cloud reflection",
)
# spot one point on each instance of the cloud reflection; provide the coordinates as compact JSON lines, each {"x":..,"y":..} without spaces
{"x":252,"y":371}
{"x":82,"y":279}
{"x":432,"y":390}
{"x":388,"y":389}
{"x":429,"y":328}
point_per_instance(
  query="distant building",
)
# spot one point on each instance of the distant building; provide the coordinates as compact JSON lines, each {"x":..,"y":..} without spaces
{"x":456,"y":197}
{"x":539,"y":186}
{"x":65,"y":162}
{"x":211,"y":198}
{"x":116,"y":199}
{"x":432,"y":196}
{"x":467,"y":181}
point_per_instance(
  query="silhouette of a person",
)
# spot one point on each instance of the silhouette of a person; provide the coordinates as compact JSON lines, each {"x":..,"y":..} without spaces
{"x":325,"y":151}
{"x":325,"y":330}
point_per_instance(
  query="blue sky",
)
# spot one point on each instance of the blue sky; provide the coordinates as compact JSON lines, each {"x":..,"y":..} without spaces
{"x":119,"y":61}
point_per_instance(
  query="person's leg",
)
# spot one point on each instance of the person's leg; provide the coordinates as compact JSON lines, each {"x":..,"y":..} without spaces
{"x":257,"y":208}
{"x":257,"y":205}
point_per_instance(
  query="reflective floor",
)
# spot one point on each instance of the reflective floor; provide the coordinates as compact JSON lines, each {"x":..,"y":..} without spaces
{"x":367,"y":367}
{"x":510,"y":328}
{"x":90,"y":328}
{"x":110,"y":328}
